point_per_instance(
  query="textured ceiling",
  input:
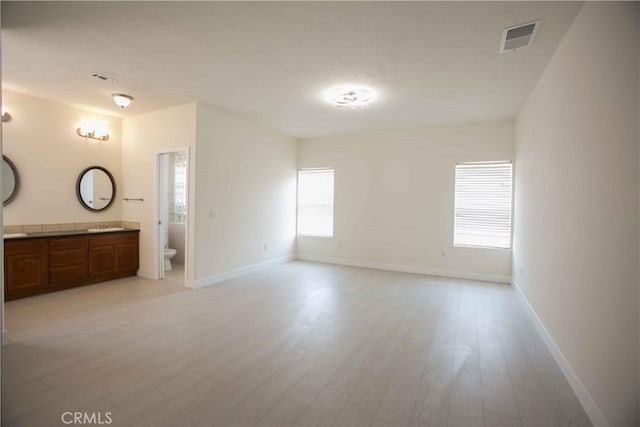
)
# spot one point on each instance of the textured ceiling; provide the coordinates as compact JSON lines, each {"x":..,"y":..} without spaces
{"x":431,"y":62}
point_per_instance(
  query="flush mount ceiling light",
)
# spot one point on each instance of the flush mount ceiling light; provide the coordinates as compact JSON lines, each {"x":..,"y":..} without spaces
{"x":122,"y":100}
{"x":350,"y":96}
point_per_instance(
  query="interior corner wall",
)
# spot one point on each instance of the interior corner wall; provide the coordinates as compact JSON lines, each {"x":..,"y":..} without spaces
{"x":246,"y":195}
{"x":143,"y":137}
{"x":41,"y":140}
{"x":577,"y":208}
{"x":394,"y":198}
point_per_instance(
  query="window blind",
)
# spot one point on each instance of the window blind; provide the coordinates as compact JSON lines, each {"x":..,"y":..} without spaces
{"x":483,"y":205}
{"x":315,"y":202}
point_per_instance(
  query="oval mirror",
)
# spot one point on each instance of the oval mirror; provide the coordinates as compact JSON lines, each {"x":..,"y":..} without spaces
{"x":10,"y":181}
{"x":96,"y":188}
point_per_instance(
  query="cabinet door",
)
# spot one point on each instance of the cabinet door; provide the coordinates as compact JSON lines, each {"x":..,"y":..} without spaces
{"x":26,"y":270}
{"x":127,"y":257}
{"x":101,"y":261}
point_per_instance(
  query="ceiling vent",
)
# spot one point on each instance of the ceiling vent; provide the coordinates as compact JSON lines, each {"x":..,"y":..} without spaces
{"x":103,"y":77}
{"x":519,"y":36}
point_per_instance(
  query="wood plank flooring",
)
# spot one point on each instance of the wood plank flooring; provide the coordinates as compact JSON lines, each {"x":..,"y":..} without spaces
{"x":296,"y":344}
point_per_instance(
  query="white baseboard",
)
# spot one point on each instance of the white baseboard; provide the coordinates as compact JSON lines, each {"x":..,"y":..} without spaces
{"x":147,"y":274}
{"x":217,"y":278}
{"x":441,"y":272}
{"x":589,"y":405}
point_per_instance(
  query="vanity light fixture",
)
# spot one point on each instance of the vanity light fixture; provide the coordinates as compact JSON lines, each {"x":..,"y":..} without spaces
{"x":6,"y":117}
{"x":122,"y":100}
{"x":350,"y":96}
{"x":93,"y":131}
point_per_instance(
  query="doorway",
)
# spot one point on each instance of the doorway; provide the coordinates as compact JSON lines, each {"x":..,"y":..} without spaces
{"x":172,"y":218}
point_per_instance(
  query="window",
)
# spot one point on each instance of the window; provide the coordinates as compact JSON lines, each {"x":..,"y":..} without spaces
{"x":315,"y":202}
{"x":178,"y":186}
{"x":483,"y":205}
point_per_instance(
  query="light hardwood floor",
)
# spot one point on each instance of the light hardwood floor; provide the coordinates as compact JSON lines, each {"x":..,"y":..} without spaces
{"x":296,"y":344}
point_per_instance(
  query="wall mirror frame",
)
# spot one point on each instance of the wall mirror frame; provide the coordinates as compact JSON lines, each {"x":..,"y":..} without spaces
{"x":96,"y":188}
{"x":9,"y":169}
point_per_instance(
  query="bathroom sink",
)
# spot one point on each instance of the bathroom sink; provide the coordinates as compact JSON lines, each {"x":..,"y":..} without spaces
{"x":104,"y":230}
{"x":13,"y":235}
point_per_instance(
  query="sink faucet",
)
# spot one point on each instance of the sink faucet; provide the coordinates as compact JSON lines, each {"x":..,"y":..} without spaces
{"x":104,"y":225}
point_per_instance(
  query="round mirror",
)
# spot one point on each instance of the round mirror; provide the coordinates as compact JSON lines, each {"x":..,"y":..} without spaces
{"x":10,"y":181}
{"x":96,"y":188}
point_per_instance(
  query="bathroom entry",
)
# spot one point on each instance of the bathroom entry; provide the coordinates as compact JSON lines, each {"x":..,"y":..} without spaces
{"x":171,"y":212}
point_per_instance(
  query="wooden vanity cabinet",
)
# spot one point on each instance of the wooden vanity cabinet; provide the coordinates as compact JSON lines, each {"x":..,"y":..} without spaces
{"x":101,"y":261}
{"x":113,"y":255}
{"x":26,"y":267}
{"x":38,"y":265}
{"x":127,"y":257}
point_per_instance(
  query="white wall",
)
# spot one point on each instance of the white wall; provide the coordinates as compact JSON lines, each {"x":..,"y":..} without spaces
{"x":243,"y":172}
{"x":245,"y":186}
{"x":576,"y":207}
{"x":394,"y":198}
{"x":142,"y":138}
{"x":41,"y":140}
{"x":176,"y":241}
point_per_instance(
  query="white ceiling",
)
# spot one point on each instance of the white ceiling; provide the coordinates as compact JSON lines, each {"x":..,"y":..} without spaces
{"x":432,"y":62}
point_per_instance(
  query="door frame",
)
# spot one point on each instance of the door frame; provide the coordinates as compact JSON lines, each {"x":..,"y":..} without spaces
{"x":159,"y":252}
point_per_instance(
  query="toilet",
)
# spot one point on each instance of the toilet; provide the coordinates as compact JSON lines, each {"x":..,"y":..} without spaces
{"x":168,"y":254}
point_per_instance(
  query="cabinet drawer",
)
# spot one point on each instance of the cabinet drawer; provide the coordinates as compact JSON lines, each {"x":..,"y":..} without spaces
{"x":66,"y":252}
{"x":66,"y":243}
{"x":69,"y":257}
{"x":112,"y":239}
{"x":68,"y":275}
{"x":30,"y":246}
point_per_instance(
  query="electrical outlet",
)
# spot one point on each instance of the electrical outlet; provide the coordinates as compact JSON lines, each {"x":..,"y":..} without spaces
{"x":442,"y":253}
{"x":212,"y":214}
{"x":521,"y":271}
{"x":266,"y":247}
